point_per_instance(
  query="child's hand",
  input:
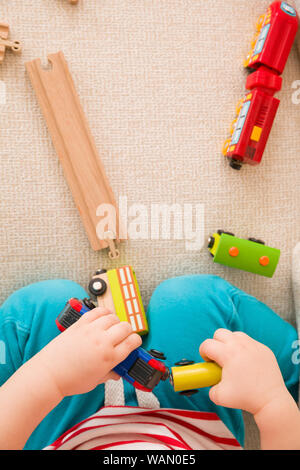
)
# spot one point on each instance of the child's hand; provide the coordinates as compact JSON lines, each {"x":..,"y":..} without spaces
{"x":251,"y":377}
{"x":84,"y":355}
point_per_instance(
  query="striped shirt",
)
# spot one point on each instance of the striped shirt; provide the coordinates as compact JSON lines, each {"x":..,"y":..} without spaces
{"x":133,"y":428}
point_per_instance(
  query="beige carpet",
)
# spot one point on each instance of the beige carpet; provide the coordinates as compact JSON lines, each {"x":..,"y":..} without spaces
{"x":159,"y":81}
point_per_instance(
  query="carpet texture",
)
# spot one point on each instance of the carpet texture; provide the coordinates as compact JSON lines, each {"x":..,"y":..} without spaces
{"x":159,"y":82}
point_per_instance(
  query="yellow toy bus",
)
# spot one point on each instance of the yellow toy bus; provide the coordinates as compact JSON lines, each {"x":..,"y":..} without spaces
{"x":118,"y":291}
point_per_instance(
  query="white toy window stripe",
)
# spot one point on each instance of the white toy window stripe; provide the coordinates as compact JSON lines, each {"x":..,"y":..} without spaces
{"x":128,"y":274}
{"x":126,"y":292}
{"x":139,"y":320}
{"x":132,"y":290}
{"x":133,"y":324}
{"x":136,"y":306}
{"x":129,"y":307}
{"x":122,"y":276}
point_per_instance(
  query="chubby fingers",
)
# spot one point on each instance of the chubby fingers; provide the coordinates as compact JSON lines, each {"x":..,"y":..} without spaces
{"x":121,"y":337}
{"x":94,"y":314}
{"x":105,"y":322}
{"x":214,"y":349}
{"x":223,"y":335}
{"x":123,"y":349}
{"x":119,"y":332}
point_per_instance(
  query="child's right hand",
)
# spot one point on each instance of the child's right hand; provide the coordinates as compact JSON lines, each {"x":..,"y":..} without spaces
{"x":84,"y":355}
{"x":251,"y":378}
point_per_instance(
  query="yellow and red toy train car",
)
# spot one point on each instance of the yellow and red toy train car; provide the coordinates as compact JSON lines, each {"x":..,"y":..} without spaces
{"x":256,"y":112}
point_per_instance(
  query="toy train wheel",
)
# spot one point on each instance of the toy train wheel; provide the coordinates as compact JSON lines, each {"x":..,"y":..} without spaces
{"x":220,"y":232}
{"x":89,"y":304}
{"x":184,"y":362}
{"x":235,"y":164}
{"x":97,"y":286}
{"x":157,"y":354}
{"x":256,"y":241}
{"x":100,"y":271}
{"x":188,"y":393}
{"x":211,"y":242}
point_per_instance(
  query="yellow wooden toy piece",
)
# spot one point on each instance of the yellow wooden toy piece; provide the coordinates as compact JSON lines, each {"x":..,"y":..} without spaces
{"x":195,"y":376}
{"x":121,"y":295}
{"x":5,"y":43}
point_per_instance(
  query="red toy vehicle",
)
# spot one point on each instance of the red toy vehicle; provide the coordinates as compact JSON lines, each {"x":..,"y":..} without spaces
{"x":276,"y":31}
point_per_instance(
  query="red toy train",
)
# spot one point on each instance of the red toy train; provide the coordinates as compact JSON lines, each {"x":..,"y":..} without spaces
{"x":276,"y":31}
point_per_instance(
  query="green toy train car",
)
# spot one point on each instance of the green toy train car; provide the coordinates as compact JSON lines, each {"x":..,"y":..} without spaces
{"x":249,"y":255}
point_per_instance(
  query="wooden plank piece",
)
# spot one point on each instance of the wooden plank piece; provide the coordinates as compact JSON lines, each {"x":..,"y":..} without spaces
{"x":5,"y":43}
{"x":73,"y":142}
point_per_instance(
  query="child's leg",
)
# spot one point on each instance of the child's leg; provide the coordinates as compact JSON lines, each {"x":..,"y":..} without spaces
{"x":27,"y":324}
{"x":185,"y":311}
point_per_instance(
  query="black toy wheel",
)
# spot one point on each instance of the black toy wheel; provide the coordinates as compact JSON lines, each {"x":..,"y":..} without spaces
{"x":220,"y":232}
{"x":256,"y":241}
{"x":235,"y":164}
{"x":188,"y":393}
{"x":211,"y":242}
{"x":89,"y":304}
{"x":184,"y":362}
{"x":100,"y":271}
{"x":157,"y":354}
{"x":97,"y":286}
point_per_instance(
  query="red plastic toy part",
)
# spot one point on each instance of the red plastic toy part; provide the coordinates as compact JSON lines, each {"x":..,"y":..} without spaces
{"x":264,"y":79}
{"x":253,"y":127}
{"x":157,"y":365}
{"x":275,"y":37}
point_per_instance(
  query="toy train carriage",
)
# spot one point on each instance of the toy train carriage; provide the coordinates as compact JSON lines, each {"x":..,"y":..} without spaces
{"x":187,"y":379}
{"x":118,"y":291}
{"x":276,"y":31}
{"x":248,"y":255}
{"x":251,"y":130}
{"x":256,"y":112}
{"x":142,"y":370}
{"x":72,"y":312}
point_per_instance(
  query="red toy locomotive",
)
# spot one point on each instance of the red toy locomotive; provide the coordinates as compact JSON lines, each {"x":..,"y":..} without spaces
{"x":276,"y":31}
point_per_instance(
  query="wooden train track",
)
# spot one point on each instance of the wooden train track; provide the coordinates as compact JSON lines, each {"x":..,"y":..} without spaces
{"x":5,"y":43}
{"x":74,"y":144}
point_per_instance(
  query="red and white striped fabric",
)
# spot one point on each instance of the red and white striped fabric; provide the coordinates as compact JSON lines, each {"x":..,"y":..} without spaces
{"x":130,"y":428}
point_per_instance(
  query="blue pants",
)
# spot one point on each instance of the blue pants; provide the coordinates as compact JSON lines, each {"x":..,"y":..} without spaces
{"x":182,"y":313}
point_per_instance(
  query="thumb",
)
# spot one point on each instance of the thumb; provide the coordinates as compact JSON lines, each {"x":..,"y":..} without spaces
{"x":215,"y":394}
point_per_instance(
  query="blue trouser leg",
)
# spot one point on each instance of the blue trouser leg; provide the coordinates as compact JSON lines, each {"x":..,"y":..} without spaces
{"x":182,"y":313}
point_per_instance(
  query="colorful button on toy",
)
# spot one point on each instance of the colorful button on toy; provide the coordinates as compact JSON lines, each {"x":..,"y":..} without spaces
{"x":234,"y":251}
{"x":264,"y":261}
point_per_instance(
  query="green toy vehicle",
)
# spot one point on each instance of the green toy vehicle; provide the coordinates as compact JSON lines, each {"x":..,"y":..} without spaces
{"x":250,"y":255}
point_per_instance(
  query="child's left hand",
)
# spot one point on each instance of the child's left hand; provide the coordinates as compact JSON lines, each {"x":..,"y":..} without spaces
{"x":251,"y":377}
